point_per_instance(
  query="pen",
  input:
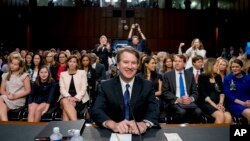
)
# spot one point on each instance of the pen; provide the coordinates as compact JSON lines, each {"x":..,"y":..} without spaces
{"x":117,"y":137}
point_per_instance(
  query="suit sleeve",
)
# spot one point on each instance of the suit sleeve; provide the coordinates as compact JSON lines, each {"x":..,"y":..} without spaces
{"x":100,"y":107}
{"x":153,"y":109}
{"x":168,"y":94}
{"x":193,"y":88}
{"x":103,"y":73}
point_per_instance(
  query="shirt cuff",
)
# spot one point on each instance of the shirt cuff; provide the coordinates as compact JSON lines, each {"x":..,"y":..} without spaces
{"x":104,"y":124}
{"x":192,"y":99}
{"x":207,"y":98}
{"x":147,"y":121}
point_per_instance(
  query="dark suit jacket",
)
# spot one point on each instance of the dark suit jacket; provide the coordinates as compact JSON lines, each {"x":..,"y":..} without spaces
{"x":191,"y":70}
{"x":100,"y":72}
{"x":109,"y":104}
{"x":169,"y":86}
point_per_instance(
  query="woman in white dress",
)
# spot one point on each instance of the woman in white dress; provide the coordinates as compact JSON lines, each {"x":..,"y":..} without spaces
{"x":195,"y":49}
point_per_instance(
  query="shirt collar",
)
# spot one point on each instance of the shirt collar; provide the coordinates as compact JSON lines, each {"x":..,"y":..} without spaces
{"x":177,"y":72}
{"x":123,"y":83}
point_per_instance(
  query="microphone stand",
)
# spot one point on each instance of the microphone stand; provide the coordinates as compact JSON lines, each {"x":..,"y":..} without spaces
{"x":141,"y":139}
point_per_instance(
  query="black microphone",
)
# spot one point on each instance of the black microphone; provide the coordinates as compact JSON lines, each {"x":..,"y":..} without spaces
{"x":130,"y":109}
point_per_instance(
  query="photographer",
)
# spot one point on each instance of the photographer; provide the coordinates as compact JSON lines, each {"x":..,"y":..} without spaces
{"x":103,"y":51}
{"x":134,"y":40}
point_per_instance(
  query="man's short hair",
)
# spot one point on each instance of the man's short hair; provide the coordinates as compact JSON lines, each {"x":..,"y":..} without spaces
{"x":182,"y":57}
{"x":128,"y":49}
{"x":135,"y":36}
{"x":196,"y":58}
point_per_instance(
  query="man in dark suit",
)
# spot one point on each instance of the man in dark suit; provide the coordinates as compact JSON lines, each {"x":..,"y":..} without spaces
{"x":180,"y":92}
{"x":99,"y":68}
{"x":197,"y":68}
{"x":103,"y":50}
{"x":126,"y":95}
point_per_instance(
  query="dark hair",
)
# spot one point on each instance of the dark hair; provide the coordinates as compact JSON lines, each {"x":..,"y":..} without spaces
{"x":88,"y":56}
{"x":40,"y":64}
{"x":181,"y":56}
{"x":38,"y":79}
{"x":129,"y":50}
{"x":196,"y":58}
{"x":237,"y":61}
{"x":77,"y":61}
{"x":144,"y":69}
{"x":164,"y":66}
{"x":58,"y":56}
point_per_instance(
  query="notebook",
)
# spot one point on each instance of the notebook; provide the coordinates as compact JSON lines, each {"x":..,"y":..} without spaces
{"x":64,"y":126}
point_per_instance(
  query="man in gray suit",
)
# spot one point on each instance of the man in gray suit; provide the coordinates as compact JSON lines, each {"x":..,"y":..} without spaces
{"x":180,"y":92}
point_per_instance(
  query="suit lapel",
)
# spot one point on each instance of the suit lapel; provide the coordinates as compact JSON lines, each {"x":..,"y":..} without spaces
{"x":135,"y":91}
{"x":187,"y":81}
{"x":173,"y":79}
{"x":118,"y":93}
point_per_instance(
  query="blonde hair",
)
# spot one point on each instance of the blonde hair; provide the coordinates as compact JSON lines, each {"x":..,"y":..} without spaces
{"x":21,"y":67}
{"x":103,"y":36}
{"x":13,"y":55}
{"x":227,"y":66}
{"x":209,"y":67}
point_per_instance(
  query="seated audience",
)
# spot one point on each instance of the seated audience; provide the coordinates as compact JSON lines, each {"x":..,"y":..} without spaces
{"x":167,"y":65}
{"x":91,"y":73}
{"x":60,"y":65}
{"x":15,"y":87}
{"x":5,"y":68}
{"x":41,"y":96}
{"x":237,"y":91}
{"x":223,"y":68}
{"x":99,"y":68}
{"x":211,"y":94}
{"x":73,"y":89}
{"x":112,"y":72}
{"x":28,"y":60}
{"x":160,"y":60}
{"x":148,"y":71}
{"x":180,"y":92}
{"x":197,"y":67}
{"x":36,"y":64}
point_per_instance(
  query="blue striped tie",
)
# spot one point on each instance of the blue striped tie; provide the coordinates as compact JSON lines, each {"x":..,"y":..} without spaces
{"x":126,"y":102}
{"x":182,"y":89}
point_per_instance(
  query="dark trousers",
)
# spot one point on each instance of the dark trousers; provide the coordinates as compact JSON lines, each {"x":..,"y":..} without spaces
{"x":186,"y":115}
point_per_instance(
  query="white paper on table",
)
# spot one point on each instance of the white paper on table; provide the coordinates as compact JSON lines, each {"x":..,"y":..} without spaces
{"x":172,"y":137}
{"x":122,"y":137}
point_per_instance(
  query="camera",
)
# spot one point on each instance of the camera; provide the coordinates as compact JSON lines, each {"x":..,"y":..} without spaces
{"x":136,"y":25}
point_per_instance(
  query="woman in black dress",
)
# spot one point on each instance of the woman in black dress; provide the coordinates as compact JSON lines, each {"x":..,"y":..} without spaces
{"x":211,"y":94}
